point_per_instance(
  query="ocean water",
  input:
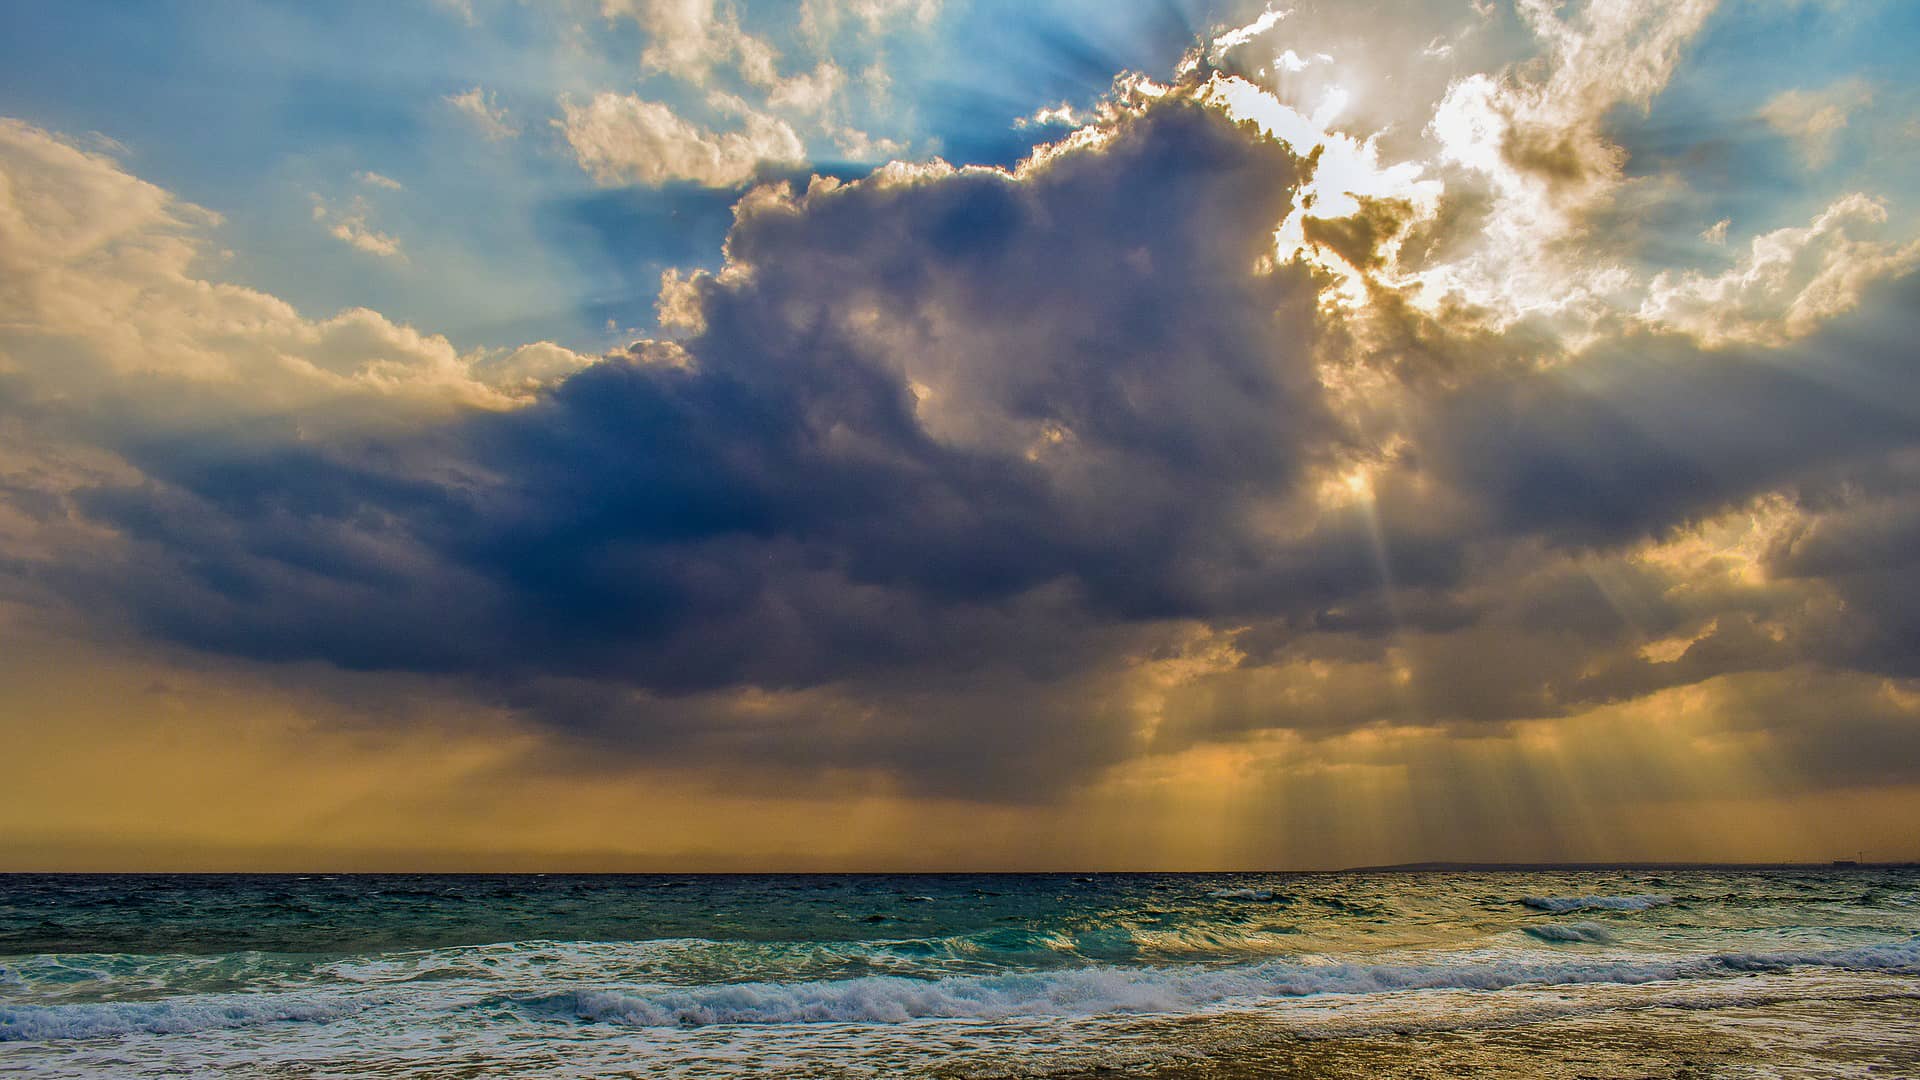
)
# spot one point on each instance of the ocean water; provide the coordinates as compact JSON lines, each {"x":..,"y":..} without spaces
{"x":1590,"y":974}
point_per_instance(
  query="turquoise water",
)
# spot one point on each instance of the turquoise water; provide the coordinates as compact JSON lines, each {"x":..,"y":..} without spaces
{"x":843,"y":975}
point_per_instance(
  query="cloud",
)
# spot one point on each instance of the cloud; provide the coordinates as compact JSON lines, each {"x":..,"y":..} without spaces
{"x":1229,"y":40}
{"x":822,"y":19}
{"x":1203,"y":431}
{"x":349,"y":226}
{"x":890,"y":457}
{"x":1815,"y":118}
{"x":1790,"y":282}
{"x":1536,"y":137}
{"x":689,"y":38}
{"x":104,"y":296}
{"x":1061,"y":115}
{"x":891,"y":488}
{"x":480,"y":108}
{"x":702,"y":45}
{"x":857,"y":145}
{"x":621,"y":139}
{"x":810,"y":93}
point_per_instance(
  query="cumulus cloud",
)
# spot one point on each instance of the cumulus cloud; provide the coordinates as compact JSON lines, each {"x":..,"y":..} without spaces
{"x":622,"y":139}
{"x":690,"y":38}
{"x":1790,"y":282}
{"x":1536,"y":138}
{"x":890,"y":453}
{"x":103,"y":294}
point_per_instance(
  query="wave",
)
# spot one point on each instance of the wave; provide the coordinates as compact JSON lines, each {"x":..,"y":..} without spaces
{"x":1592,"y":933}
{"x":1088,"y":991}
{"x":1108,"y":990}
{"x":39,"y":1023}
{"x":1563,"y":904}
{"x":1256,"y":895}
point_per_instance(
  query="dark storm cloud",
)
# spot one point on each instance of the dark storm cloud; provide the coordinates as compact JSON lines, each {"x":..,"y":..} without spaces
{"x":955,"y":450}
{"x":1866,"y":550}
{"x":1110,"y":386}
{"x":1653,"y":431}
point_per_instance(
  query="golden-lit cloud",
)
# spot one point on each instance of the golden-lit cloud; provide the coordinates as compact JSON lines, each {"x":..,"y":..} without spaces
{"x":625,"y":139}
{"x":105,"y":292}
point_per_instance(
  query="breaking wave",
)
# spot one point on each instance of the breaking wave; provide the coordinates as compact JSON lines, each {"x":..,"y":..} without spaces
{"x":1106,"y":990}
{"x":45,"y":1023}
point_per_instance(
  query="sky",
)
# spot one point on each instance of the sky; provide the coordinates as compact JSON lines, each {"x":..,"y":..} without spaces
{"x":957,"y":434}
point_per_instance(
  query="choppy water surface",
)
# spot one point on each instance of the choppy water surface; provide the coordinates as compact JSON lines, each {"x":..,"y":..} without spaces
{"x":1696,"y":973}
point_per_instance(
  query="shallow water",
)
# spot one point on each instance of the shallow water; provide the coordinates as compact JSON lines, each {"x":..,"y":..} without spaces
{"x":1695,"y":973}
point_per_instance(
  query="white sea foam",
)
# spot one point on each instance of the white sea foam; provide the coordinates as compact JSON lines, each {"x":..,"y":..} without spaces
{"x":1561,"y":904}
{"x":1260,"y":895}
{"x":45,"y":1023}
{"x":421,"y":1036}
{"x":555,"y":979}
{"x":1116,"y":990}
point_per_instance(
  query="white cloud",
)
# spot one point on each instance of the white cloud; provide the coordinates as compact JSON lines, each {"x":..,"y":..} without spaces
{"x":1813,"y":118}
{"x":1291,"y":61}
{"x":678,"y":305}
{"x":1346,"y":169}
{"x":1229,"y":40}
{"x":625,"y":139}
{"x":688,"y":39}
{"x":525,"y":369}
{"x":1529,"y":149}
{"x":1535,"y":138}
{"x":809,"y":93}
{"x":1790,"y":281}
{"x":374,"y":179}
{"x":857,"y":145}
{"x":1061,"y":115}
{"x":621,"y":139}
{"x":99,"y":294}
{"x":479,"y":107}
{"x":349,"y":226}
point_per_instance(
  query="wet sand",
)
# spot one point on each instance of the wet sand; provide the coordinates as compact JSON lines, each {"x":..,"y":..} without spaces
{"x":1793,"y":1040}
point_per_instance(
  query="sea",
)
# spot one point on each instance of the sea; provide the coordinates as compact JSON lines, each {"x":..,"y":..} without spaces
{"x":1596,"y":974}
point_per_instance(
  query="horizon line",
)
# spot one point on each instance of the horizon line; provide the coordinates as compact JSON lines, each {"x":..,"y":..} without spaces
{"x":1441,"y":866}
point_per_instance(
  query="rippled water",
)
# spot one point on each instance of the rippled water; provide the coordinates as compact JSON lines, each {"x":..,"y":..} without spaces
{"x":964,"y":975}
